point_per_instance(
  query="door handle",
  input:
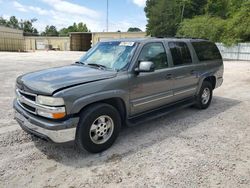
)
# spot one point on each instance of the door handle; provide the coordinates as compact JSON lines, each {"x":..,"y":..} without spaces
{"x":169,"y":76}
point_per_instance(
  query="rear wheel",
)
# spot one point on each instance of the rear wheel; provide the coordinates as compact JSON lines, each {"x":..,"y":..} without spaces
{"x":98,"y":128}
{"x":205,"y":95}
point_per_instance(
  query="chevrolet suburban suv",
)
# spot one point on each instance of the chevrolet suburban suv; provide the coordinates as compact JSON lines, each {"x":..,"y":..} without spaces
{"x":116,"y":83}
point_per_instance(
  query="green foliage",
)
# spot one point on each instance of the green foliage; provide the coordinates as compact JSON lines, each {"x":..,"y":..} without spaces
{"x":163,"y":17}
{"x":50,"y":30}
{"x":234,"y":29}
{"x":29,"y":29}
{"x":202,"y":27}
{"x":13,"y":22}
{"x":193,"y":7}
{"x":25,"y":25}
{"x":217,"y":8}
{"x":226,"y":21}
{"x":3,"y":21}
{"x":238,"y":26}
{"x":134,"y":29}
{"x":80,"y":27}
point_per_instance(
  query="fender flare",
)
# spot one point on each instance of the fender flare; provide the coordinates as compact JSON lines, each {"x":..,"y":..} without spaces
{"x":82,"y":102}
{"x":202,"y":78}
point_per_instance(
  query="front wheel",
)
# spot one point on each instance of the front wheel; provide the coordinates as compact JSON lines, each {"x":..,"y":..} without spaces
{"x":205,"y":95}
{"x":98,"y":128}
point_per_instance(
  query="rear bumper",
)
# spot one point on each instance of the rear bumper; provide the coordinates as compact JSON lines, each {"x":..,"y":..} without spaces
{"x":58,"y":132}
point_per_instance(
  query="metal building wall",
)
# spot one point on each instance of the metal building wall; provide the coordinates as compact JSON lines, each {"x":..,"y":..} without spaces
{"x":99,"y":36}
{"x":82,"y":41}
{"x":11,"y":39}
{"x":42,"y":43}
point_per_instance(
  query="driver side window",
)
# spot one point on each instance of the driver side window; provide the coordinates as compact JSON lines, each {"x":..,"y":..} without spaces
{"x":154,"y":52}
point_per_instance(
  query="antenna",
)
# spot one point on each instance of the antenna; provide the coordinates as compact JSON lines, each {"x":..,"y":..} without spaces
{"x":107,"y":16}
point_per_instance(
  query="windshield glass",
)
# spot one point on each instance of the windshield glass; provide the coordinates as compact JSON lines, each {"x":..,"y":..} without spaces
{"x":112,"y":55}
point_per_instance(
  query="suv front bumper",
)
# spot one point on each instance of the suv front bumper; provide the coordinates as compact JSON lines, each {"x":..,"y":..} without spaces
{"x":58,"y":132}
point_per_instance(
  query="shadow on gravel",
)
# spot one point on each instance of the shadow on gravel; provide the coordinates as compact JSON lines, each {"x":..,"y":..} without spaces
{"x":135,"y":139}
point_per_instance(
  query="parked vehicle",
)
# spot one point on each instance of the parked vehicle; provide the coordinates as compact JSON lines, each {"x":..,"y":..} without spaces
{"x":119,"y":82}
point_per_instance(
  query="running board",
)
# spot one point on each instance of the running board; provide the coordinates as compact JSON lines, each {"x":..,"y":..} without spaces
{"x":157,"y":113}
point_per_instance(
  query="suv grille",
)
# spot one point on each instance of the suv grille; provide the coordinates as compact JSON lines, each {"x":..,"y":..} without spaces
{"x":26,"y":100}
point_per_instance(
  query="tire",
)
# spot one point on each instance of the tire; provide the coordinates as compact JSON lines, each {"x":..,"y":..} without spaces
{"x":98,"y":128}
{"x":203,"y":101}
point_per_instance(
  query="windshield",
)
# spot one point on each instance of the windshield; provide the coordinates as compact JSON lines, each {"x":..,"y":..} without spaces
{"x":111,"y":55}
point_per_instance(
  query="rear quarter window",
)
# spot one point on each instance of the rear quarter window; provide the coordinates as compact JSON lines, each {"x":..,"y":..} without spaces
{"x":206,"y":51}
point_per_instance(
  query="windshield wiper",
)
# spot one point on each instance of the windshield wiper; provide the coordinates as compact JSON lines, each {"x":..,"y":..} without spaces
{"x":97,"y":65}
{"x":80,"y":62}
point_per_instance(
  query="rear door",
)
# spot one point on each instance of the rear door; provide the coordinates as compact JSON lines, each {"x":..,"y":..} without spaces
{"x":184,"y":70}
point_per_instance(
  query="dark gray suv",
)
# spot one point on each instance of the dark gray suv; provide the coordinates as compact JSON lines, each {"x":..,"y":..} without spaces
{"x":118,"y":82}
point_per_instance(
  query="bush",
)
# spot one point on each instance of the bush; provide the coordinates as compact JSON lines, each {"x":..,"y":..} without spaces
{"x":208,"y":27}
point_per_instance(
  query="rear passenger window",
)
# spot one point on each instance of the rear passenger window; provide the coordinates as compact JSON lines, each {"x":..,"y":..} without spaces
{"x":180,"y":53}
{"x":154,"y":52}
{"x":206,"y":51}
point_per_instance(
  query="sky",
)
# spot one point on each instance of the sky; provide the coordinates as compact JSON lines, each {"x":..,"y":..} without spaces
{"x":62,"y":13}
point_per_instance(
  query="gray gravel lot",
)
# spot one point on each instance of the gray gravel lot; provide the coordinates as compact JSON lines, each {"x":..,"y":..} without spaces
{"x":188,"y":148}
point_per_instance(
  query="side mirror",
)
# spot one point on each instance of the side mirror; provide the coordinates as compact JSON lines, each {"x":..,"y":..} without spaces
{"x":145,"y":66}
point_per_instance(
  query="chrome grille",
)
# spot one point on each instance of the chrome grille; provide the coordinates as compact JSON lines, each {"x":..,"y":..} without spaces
{"x":26,"y":100}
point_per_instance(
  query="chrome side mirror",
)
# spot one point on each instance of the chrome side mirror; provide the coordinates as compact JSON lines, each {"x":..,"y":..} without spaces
{"x":145,"y":66}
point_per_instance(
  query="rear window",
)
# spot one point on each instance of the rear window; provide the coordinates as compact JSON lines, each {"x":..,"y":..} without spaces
{"x":180,"y":53}
{"x":206,"y":51}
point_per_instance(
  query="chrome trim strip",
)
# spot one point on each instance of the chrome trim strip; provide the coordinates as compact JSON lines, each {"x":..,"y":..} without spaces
{"x":153,"y":100}
{"x":184,"y":91}
{"x":25,"y":108}
{"x":27,"y":93}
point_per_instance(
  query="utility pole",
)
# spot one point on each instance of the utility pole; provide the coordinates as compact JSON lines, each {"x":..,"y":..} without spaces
{"x":107,"y":16}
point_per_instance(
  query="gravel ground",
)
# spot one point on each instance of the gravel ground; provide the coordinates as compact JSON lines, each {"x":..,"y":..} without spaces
{"x":189,"y":148}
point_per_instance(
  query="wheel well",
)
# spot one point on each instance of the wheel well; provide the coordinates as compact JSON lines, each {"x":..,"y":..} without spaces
{"x":118,"y":103}
{"x":212,"y":80}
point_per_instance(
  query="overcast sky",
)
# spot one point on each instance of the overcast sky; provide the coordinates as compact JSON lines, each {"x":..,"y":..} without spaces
{"x":62,"y":13}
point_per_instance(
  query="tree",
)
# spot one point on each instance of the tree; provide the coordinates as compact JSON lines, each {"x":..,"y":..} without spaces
{"x":134,"y":29}
{"x":13,"y":22}
{"x":203,"y":27}
{"x":163,"y":17}
{"x":80,"y":27}
{"x":230,"y":27}
{"x":238,"y":26}
{"x":218,"y":8}
{"x":191,"y":8}
{"x":3,"y":21}
{"x":226,"y":21}
{"x":25,"y":25}
{"x":50,"y":30}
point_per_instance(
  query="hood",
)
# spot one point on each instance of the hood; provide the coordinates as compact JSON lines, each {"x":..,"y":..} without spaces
{"x":48,"y":81}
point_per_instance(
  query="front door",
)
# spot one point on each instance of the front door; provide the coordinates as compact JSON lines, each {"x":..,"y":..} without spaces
{"x":154,"y":89}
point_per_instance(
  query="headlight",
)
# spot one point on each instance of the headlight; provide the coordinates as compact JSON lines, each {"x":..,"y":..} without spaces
{"x":53,"y":107}
{"x":50,"y":101}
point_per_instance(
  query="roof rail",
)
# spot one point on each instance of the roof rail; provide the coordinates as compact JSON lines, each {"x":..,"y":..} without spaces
{"x":180,"y":37}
